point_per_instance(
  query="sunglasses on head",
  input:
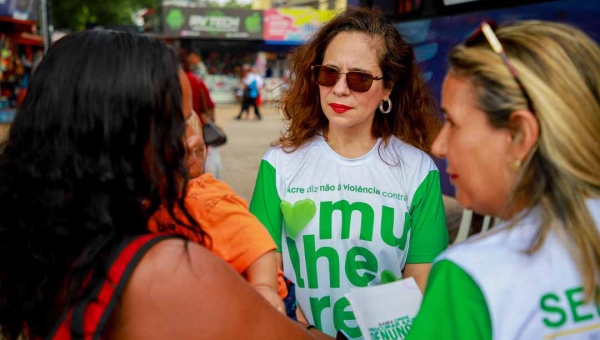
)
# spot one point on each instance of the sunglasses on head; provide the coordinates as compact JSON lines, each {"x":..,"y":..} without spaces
{"x":357,"y":81}
{"x":486,"y":30}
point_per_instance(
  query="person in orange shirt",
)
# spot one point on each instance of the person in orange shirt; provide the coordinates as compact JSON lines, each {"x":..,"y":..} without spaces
{"x":235,"y":235}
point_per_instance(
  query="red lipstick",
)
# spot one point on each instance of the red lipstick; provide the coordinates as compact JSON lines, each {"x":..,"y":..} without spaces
{"x":339,"y":108}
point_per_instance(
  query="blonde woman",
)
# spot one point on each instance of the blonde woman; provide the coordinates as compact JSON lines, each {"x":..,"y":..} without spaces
{"x":522,"y":140}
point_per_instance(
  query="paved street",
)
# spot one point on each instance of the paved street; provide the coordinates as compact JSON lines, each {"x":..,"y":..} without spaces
{"x":247,"y":141}
{"x":4,"y":131}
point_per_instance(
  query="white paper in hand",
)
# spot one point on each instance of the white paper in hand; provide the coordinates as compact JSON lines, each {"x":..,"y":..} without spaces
{"x":386,"y":311}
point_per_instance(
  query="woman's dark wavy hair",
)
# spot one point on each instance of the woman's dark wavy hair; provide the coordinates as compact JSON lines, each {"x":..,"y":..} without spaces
{"x":414,"y":116}
{"x":94,"y":150}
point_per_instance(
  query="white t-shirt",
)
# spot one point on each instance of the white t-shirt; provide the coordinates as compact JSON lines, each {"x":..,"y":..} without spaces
{"x":342,"y":223}
{"x":251,"y":76}
{"x":490,"y":288}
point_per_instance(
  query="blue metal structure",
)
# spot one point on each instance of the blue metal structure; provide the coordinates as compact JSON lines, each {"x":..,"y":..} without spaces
{"x":433,"y":38}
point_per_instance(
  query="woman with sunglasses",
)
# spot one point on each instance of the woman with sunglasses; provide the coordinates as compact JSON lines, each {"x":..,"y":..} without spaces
{"x":521,"y":138}
{"x":348,"y":192}
{"x":98,"y":146}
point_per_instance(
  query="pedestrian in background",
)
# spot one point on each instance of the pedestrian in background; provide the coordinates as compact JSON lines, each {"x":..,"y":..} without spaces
{"x":251,"y":83}
{"x":197,"y":65}
{"x":205,"y":107}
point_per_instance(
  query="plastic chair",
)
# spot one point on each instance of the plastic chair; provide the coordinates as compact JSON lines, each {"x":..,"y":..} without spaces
{"x":465,"y":225}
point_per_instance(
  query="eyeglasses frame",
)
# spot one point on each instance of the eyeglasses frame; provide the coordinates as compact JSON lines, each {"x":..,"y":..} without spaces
{"x":312,"y":68}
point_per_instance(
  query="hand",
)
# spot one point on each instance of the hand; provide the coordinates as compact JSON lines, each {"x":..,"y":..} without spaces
{"x":300,"y":316}
{"x":272,"y":297}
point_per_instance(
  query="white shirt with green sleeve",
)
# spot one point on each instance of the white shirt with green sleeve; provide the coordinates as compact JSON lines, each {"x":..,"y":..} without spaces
{"x":489,"y":288}
{"x":342,"y":223}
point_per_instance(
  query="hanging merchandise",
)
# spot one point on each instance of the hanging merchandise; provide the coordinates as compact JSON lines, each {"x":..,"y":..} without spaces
{"x":19,"y":47}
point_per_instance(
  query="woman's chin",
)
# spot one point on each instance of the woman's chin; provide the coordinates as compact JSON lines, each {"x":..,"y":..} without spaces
{"x":195,"y":168}
{"x":478,"y":207}
{"x":195,"y":173}
{"x":464,"y":201}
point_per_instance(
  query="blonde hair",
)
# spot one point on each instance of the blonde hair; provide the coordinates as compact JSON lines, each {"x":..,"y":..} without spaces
{"x":560,"y":69}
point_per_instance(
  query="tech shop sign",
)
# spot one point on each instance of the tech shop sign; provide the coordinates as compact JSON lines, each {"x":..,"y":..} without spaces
{"x":215,"y":23}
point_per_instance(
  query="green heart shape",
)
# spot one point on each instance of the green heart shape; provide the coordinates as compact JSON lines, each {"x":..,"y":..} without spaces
{"x":388,"y":276}
{"x":297,"y":216}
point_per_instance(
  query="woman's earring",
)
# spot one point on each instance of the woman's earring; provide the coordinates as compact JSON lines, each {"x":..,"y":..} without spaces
{"x":389,"y":108}
{"x":515,"y":165}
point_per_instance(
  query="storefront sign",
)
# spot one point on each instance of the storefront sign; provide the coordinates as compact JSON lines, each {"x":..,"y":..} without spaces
{"x":287,"y":25}
{"x":215,"y":23}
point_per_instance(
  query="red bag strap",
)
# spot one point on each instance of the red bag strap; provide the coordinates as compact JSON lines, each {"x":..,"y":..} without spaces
{"x":87,"y":319}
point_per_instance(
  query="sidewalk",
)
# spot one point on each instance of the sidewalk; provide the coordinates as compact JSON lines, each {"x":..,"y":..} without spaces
{"x":247,"y":141}
{"x":4,"y":131}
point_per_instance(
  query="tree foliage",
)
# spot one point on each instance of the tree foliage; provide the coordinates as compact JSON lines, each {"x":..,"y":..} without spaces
{"x":78,"y":14}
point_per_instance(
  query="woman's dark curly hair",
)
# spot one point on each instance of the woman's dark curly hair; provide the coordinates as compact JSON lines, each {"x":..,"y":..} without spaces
{"x":94,"y":150}
{"x":414,"y":116}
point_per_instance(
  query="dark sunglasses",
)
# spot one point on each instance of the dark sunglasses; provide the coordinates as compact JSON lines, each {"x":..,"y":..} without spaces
{"x":486,"y":29}
{"x":357,"y":81}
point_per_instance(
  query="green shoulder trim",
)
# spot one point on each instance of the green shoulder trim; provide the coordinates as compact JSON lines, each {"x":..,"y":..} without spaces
{"x":453,"y":307}
{"x":265,"y":204}
{"x":429,"y":233}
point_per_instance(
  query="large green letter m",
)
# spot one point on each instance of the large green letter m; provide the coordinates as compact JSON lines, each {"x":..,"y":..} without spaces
{"x":346,"y":209}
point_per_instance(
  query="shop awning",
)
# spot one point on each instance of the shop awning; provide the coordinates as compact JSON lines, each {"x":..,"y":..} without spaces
{"x":29,"y":39}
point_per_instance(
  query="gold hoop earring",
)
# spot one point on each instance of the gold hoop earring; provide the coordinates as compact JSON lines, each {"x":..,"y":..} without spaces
{"x":389,"y":108}
{"x":515,"y":165}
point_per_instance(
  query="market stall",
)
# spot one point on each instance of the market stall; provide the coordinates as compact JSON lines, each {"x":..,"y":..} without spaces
{"x":21,"y":49}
